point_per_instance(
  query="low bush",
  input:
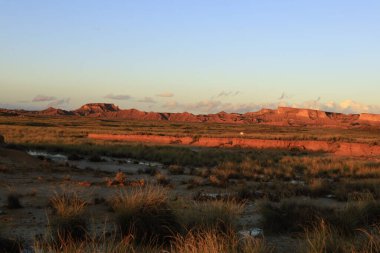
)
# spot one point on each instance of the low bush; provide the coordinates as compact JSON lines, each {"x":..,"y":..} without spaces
{"x":176,"y":170}
{"x":295,"y":216}
{"x":291,"y":216}
{"x":162,"y":179}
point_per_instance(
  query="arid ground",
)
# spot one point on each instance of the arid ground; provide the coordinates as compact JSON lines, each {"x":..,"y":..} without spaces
{"x":94,"y":184}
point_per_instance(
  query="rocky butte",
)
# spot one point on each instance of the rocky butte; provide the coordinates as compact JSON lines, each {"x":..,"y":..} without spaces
{"x":282,"y":116}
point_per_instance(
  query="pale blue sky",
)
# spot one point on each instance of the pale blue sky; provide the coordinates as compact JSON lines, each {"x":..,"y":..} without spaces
{"x":211,"y":55}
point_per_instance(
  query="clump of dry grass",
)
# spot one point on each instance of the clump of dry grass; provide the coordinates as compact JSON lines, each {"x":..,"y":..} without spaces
{"x":193,"y":242}
{"x":145,"y":213}
{"x":212,"y":241}
{"x":320,"y":187}
{"x":323,"y":238}
{"x":68,"y":204}
{"x":220,"y":215}
{"x":200,"y":172}
{"x":216,"y":181}
{"x":99,"y":244}
{"x":69,"y":222}
{"x":176,"y":170}
{"x":195,"y":182}
{"x":162,"y":179}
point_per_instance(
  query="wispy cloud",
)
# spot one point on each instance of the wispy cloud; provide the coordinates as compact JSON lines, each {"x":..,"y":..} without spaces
{"x":165,"y":95}
{"x":118,"y":97}
{"x":228,"y":93}
{"x":52,"y":101}
{"x":147,"y":100}
{"x":43,"y":98}
{"x":214,"y":106}
{"x":59,"y":102}
{"x":348,"y":106}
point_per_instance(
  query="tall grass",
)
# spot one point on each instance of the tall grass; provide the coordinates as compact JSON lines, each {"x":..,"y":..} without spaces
{"x":218,"y":215}
{"x":98,"y":244}
{"x":324,"y":239}
{"x":200,"y":242}
{"x":68,"y":204}
{"x":145,"y":213}
{"x":68,"y":222}
{"x":213,"y":241}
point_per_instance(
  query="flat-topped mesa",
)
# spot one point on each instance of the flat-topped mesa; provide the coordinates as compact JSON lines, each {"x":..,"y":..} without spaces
{"x":370,"y":117}
{"x":297,"y":112}
{"x":314,"y":114}
{"x":97,"y":109}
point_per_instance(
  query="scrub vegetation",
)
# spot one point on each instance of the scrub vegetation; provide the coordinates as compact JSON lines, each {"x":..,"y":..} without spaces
{"x":108,"y":196}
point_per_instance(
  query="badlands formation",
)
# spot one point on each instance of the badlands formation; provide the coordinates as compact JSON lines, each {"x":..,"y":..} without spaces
{"x":282,"y":116}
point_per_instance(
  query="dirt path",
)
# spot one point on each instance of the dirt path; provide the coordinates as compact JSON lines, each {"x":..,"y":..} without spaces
{"x":337,"y":148}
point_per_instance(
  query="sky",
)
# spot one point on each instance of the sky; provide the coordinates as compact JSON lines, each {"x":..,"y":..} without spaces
{"x":201,"y":56}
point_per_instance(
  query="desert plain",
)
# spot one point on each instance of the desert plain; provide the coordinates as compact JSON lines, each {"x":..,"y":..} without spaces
{"x":103,"y":179}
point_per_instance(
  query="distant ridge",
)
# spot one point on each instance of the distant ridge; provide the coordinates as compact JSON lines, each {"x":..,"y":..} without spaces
{"x":282,"y":116}
{"x":96,"y":109}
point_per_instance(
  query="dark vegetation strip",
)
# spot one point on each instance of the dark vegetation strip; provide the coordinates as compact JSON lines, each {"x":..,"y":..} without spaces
{"x":294,"y":216}
{"x":168,"y":154}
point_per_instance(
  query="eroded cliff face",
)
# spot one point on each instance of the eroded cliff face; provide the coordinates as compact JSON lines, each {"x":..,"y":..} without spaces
{"x":55,"y":112}
{"x":98,"y":109}
{"x":283,"y":116}
{"x":370,"y":117}
{"x":337,"y":148}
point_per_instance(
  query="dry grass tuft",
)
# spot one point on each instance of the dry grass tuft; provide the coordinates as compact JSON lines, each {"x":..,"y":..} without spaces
{"x":67,"y":204}
{"x":145,"y":213}
{"x":213,"y":241}
{"x":220,"y":215}
{"x":69,"y":223}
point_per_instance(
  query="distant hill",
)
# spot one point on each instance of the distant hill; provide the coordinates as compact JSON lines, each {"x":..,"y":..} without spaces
{"x":282,"y":116}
